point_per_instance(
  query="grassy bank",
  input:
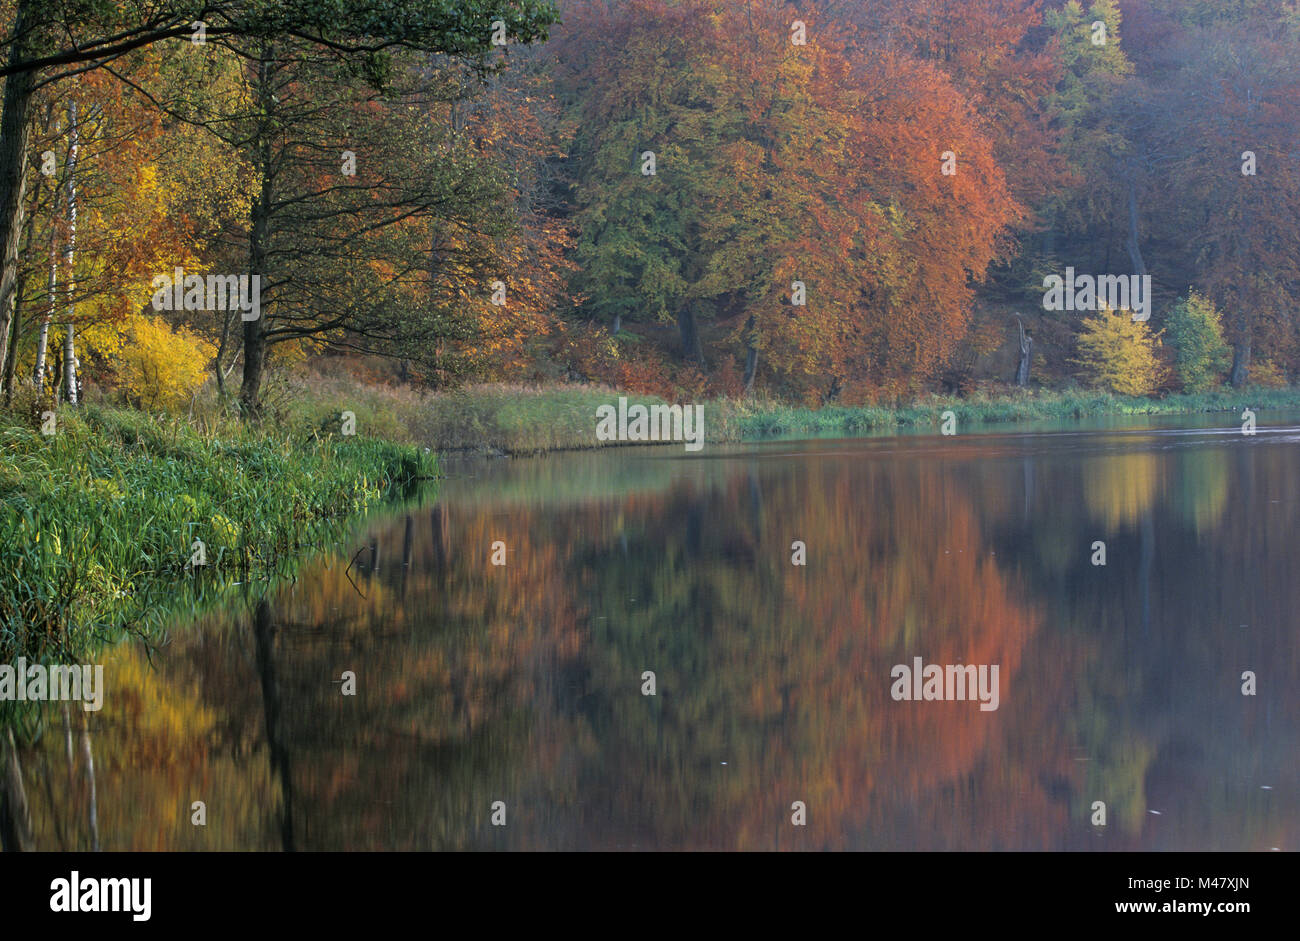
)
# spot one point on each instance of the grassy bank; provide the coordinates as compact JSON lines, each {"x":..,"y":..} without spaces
{"x":497,"y":419}
{"x":521,"y":420}
{"x":98,"y":521}
{"x":756,"y":420}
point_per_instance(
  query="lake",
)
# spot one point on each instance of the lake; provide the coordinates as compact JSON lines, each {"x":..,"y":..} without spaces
{"x":508,"y":706}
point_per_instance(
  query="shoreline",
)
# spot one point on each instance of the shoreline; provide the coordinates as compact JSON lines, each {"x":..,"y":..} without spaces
{"x":100,"y":521}
{"x":146,"y":487}
{"x":563,"y":426}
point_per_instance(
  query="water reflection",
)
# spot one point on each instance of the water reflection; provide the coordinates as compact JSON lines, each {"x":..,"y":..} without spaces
{"x":521,"y":683}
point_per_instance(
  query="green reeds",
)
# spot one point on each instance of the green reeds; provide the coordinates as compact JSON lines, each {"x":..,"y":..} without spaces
{"x":99,"y":521}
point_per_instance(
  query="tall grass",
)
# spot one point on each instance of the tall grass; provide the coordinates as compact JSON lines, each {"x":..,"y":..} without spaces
{"x":762,"y":419}
{"x":513,"y":419}
{"x":99,"y":520}
{"x":519,"y":419}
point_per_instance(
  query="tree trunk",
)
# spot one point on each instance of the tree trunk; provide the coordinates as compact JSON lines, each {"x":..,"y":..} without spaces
{"x":250,"y":390}
{"x":10,"y":358}
{"x":264,"y":634}
{"x":1134,"y":250}
{"x":751,"y":356}
{"x":260,"y":222}
{"x":833,"y":391}
{"x":690,"y":335}
{"x":43,"y":338}
{"x":69,"y":365}
{"x":1026,"y":348}
{"x":69,"y":261}
{"x":14,"y":138}
{"x":15,"y":817}
{"x":221,"y":354}
{"x":15,"y":336}
{"x":1241,"y":364}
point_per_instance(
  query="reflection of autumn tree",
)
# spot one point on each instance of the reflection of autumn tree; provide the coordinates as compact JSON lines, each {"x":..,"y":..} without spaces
{"x":449,"y":684}
{"x":157,"y":748}
{"x":783,"y":672}
{"x":521,"y":683}
{"x":1119,"y":488}
{"x":1202,"y":492}
{"x":486,"y":682}
{"x":1157,"y":712}
{"x":448,"y":689}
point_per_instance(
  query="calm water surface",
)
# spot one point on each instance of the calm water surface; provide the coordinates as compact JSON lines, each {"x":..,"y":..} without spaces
{"x":523,"y":683}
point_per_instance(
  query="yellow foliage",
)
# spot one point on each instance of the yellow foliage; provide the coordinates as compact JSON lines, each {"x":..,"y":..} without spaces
{"x":160,"y":367}
{"x":1119,"y":489}
{"x":225,"y":534}
{"x":1119,"y":354}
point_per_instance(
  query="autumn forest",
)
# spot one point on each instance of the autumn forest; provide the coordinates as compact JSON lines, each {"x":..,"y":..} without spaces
{"x":319,"y":325}
{"x":824,"y":202}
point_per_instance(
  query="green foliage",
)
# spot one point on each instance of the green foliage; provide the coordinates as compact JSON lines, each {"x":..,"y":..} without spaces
{"x":523,"y":420}
{"x":748,"y":420}
{"x":518,"y":420}
{"x":1196,"y":332}
{"x":97,"y":521}
{"x":1088,"y":67}
{"x":1082,"y":106}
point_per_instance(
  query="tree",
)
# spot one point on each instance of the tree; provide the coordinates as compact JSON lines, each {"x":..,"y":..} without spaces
{"x":1118,"y":353}
{"x":514,"y":131}
{"x":396,"y":259}
{"x":1082,"y":105}
{"x":776,"y":163}
{"x":1026,"y":344}
{"x":990,"y":51}
{"x":147,"y":198}
{"x":1200,"y":353}
{"x":1226,"y":128}
{"x":49,"y":40}
{"x":644,"y":100}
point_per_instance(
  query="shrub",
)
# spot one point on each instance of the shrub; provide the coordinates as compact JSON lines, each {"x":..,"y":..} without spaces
{"x":161,"y":368}
{"x":1119,"y":354}
{"x":1200,"y":354}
